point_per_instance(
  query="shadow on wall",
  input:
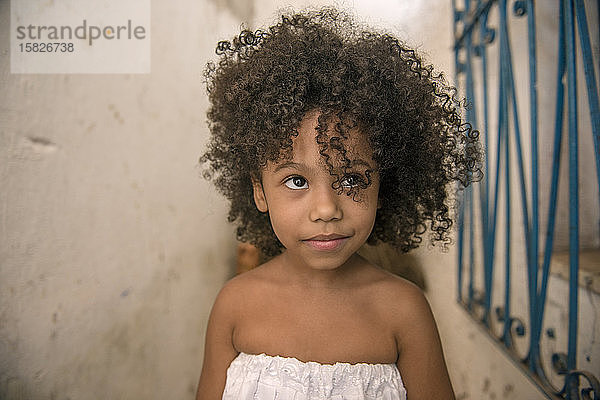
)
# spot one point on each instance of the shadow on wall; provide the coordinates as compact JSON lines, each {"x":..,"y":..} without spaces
{"x":242,"y":9}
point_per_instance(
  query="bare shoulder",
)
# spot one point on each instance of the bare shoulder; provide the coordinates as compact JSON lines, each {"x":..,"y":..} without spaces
{"x":420,"y":355}
{"x":219,"y":349}
{"x":263,"y":274}
{"x":402,"y":302}
{"x":247,"y":287}
{"x":397,"y":293}
{"x":229,"y":309}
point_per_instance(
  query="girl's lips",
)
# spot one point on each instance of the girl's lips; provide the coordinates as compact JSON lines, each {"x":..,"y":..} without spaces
{"x":323,"y":243}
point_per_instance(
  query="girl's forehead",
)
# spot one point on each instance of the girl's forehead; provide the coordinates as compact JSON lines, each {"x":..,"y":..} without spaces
{"x":308,"y":142}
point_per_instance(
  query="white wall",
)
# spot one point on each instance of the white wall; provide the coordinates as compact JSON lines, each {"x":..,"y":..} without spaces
{"x":112,"y":246}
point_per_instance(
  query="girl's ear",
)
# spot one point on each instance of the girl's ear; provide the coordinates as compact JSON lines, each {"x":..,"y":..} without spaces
{"x":259,"y":196}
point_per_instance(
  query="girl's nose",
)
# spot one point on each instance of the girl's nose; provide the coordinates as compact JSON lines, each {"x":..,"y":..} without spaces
{"x":325,"y":204}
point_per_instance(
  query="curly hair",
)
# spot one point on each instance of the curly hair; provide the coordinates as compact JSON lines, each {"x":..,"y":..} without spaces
{"x":266,"y":81}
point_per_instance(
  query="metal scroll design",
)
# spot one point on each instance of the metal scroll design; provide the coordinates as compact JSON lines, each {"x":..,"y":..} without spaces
{"x":473,"y":37}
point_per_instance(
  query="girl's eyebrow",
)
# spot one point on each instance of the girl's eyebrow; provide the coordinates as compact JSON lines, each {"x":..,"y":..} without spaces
{"x":299,"y":166}
{"x":288,"y":164}
{"x":362,"y":162}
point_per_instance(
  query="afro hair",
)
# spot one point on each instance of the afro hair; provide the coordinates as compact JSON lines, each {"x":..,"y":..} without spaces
{"x":266,"y":81}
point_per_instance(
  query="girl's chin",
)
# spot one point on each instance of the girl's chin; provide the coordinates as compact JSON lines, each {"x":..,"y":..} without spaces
{"x":319,"y":260}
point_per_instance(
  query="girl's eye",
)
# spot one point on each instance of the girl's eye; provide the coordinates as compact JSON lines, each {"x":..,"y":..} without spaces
{"x":296,"y":182}
{"x":351,"y":181}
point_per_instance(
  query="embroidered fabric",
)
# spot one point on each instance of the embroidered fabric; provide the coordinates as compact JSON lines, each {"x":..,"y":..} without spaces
{"x":263,"y":377}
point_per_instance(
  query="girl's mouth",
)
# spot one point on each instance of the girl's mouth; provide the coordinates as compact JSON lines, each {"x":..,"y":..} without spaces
{"x":326,"y":242}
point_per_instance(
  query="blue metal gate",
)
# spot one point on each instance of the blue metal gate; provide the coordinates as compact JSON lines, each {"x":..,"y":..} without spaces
{"x":479,"y":208}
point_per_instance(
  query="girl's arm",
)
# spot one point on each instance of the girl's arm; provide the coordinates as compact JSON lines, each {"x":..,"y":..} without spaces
{"x":218,"y":350}
{"x":421,"y":359}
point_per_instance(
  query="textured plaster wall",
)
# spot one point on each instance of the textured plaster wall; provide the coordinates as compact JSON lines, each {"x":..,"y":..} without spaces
{"x":112,"y":246}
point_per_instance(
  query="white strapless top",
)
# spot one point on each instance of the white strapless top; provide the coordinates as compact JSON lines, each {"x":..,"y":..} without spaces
{"x":263,"y":377}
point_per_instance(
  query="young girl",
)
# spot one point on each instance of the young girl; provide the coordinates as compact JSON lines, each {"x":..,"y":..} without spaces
{"x":324,"y":137}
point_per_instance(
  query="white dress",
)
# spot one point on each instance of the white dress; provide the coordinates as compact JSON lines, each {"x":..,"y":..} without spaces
{"x":263,"y":377}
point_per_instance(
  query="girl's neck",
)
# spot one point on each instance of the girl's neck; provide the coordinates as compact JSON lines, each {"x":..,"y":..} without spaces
{"x":298,"y":274}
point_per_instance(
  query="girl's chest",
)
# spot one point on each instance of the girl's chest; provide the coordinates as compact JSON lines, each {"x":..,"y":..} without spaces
{"x":326,"y":330}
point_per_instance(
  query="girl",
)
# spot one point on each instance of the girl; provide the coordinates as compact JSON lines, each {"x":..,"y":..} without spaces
{"x":326,"y":136}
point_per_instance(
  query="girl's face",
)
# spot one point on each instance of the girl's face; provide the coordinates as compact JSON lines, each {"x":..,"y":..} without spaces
{"x":319,"y":228}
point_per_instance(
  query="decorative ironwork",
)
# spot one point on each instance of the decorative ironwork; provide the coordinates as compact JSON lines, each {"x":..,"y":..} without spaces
{"x":473,"y":39}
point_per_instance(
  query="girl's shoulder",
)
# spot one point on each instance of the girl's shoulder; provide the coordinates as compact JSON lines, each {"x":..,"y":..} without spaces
{"x":246,"y":287}
{"x":400,"y":300}
{"x":391,"y":288}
